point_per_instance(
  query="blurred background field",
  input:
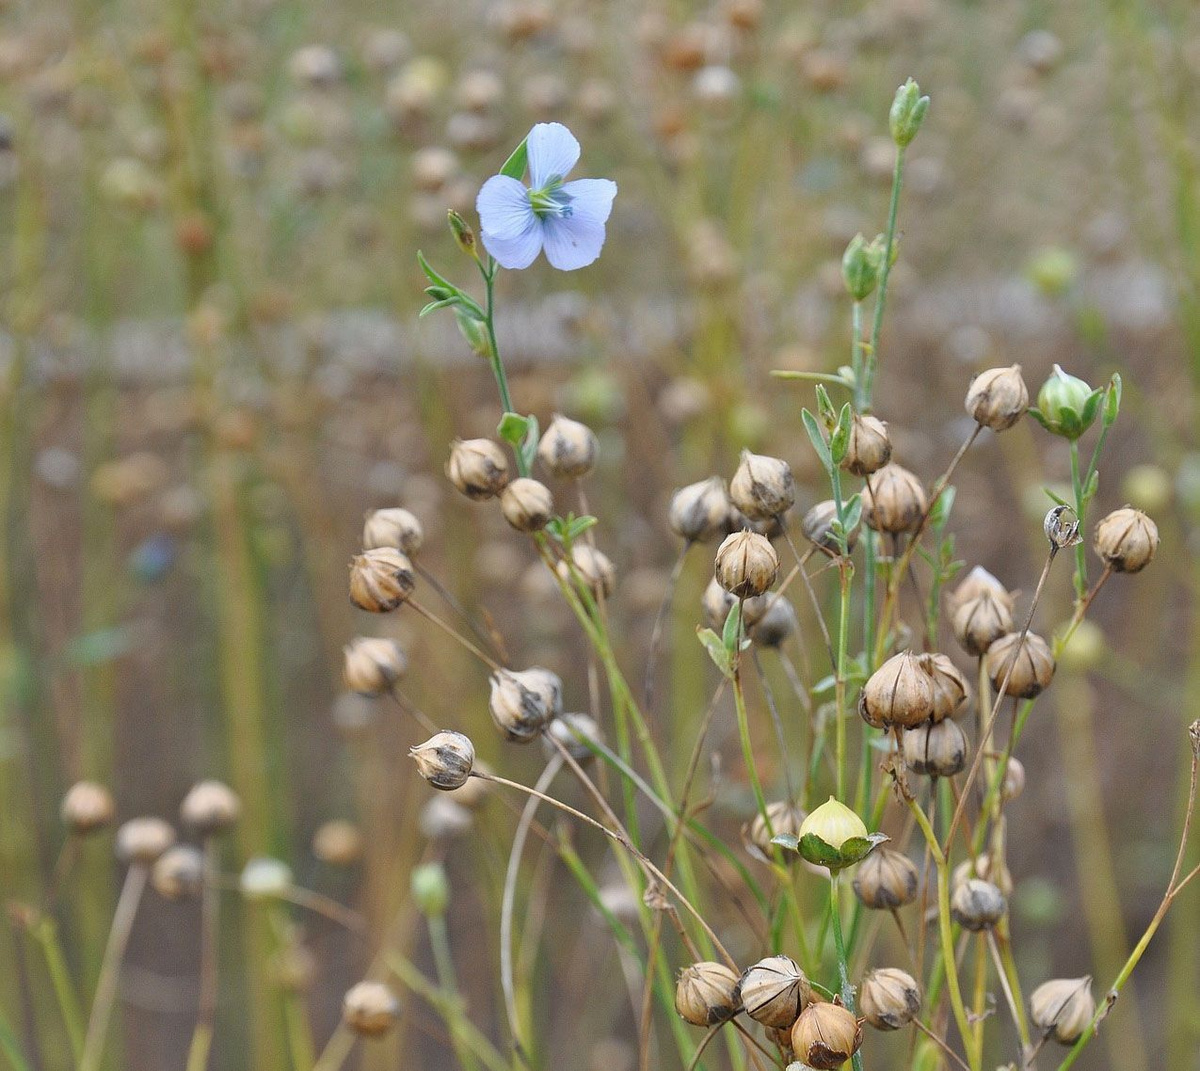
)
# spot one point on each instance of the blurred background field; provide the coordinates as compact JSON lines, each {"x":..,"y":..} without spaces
{"x":211,"y":367}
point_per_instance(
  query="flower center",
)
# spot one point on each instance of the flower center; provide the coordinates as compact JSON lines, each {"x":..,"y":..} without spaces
{"x":551,"y":200}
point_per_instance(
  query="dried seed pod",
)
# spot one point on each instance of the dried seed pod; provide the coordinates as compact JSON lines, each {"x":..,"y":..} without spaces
{"x":938,"y":749}
{"x":445,"y":759}
{"x":982,"y":866}
{"x":978,"y":582}
{"x":264,"y":878}
{"x":762,"y":487}
{"x":746,"y":564}
{"x":900,"y":692}
{"x":1061,"y":527}
{"x":786,"y":818}
{"x":372,"y":664}
{"x":593,"y":567}
{"x":370,"y":1009}
{"x":338,"y":843}
{"x":717,"y":602}
{"x":522,"y":702}
{"x":1014,"y":780}
{"x":527,"y":504}
{"x":178,"y":872}
{"x":951,"y":691}
{"x":889,"y":998}
{"x":142,"y":840}
{"x":773,"y":992}
{"x":775,"y":624}
{"x":886,"y":879}
{"x":893,"y":500}
{"x":1126,"y":539}
{"x":567,"y":448}
{"x":998,"y":398}
{"x":826,"y":1036}
{"x":210,"y":807}
{"x":575,"y":732}
{"x":393,"y":527}
{"x":817,"y":528}
{"x":706,"y":993}
{"x":700,"y":511}
{"x":477,"y":467}
{"x":868,"y":448}
{"x":87,"y":807}
{"x":977,"y":905}
{"x":1032,"y":664}
{"x":1063,"y":1008}
{"x":979,"y":622}
{"x":380,"y":580}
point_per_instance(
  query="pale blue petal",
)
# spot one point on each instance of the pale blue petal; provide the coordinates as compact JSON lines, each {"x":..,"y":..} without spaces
{"x":503,"y":207}
{"x":553,"y":152}
{"x":575,"y":241}
{"x":519,"y":249}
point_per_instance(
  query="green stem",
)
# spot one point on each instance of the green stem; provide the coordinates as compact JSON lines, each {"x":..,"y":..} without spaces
{"x":884,"y":273}
{"x":845,"y":576}
{"x":46,"y":934}
{"x":839,"y":943}
{"x":439,"y":941}
{"x":1080,"y":552}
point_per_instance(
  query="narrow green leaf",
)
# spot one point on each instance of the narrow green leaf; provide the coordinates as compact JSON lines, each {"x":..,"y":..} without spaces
{"x":1055,"y":498}
{"x":732,"y":629}
{"x":825,"y":407}
{"x":716,"y":650}
{"x":852,"y":512}
{"x":941,"y":509}
{"x":1112,"y":401}
{"x":818,"y":441}
{"x":577,"y":526}
{"x":514,"y":166}
{"x":839,"y":441}
{"x":433,"y":276}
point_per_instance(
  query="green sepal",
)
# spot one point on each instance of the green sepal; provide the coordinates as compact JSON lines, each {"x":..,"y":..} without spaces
{"x":732,"y":629}
{"x":855,"y":850}
{"x":1112,"y":400}
{"x":818,"y":441}
{"x":522,"y":433}
{"x":715,"y":647}
{"x":940,"y":514}
{"x":514,"y":166}
{"x":839,"y":440}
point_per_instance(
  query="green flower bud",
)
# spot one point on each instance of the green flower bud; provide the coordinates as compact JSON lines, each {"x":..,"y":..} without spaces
{"x":430,"y":889}
{"x":832,"y":836}
{"x":907,"y":114}
{"x":861,"y":264}
{"x":463,"y":235}
{"x":1066,"y":406}
{"x":1052,"y":270}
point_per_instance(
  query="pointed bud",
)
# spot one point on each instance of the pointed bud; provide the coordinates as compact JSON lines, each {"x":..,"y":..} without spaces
{"x":477,"y":468}
{"x":706,"y":994}
{"x":463,"y":235}
{"x":1063,"y":1008}
{"x":998,"y":398}
{"x":394,"y":527}
{"x":860,"y":266}
{"x":834,"y":836}
{"x":1126,"y":539}
{"x":1066,"y":405}
{"x":762,"y":488}
{"x":567,"y":448}
{"x":746,"y":564}
{"x":979,"y":622}
{"x":907,"y":113}
{"x":445,"y":759}
{"x":868,"y":448}
{"x":898,"y":693}
{"x":381,"y":579}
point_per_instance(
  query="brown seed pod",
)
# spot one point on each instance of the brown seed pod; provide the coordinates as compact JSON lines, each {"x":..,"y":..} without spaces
{"x":381,"y":579}
{"x":868,"y":448}
{"x":370,"y":1009}
{"x":372,"y":664}
{"x":393,"y":527}
{"x":998,"y":398}
{"x":1014,"y":780}
{"x":977,"y":582}
{"x":762,"y":488}
{"x":775,"y":624}
{"x":567,"y":448}
{"x":898,"y":693}
{"x":773,"y":991}
{"x":889,"y":998}
{"x":786,"y":818}
{"x":826,"y":1036}
{"x":593,"y":567}
{"x":706,"y":993}
{"x":445,"y":759}
{"x":1126,"y":539}
{"x":575,"y":732}
{"x":746,"y":564}
{"x":938,"y":749}
{"x":87,"y":807}
{"x":1032,"y":664}
{"x":977,"y":905}
{"x":477,"y":467}
{"x":886,"y":879}
{"x":700,"y":511}
{"x":142,"y":840}
{"x":893,"y":500}
{"x":1063,"y":1008}
{"x":522,"y":702}
{"x":527,"y":504}
{"x":951,"y":692}
{"x":717,"y":602}
{"x":817,"y":528}
{"x":983,"y":867}
{"x":210,"y":807}
{"x":979,"y":622}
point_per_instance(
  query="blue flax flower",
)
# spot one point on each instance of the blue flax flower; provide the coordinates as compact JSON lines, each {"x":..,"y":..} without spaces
{"x":565,"y":218}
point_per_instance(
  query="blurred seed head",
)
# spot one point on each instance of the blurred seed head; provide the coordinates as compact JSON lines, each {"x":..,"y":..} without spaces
{"x":178,"y":873}
{"x":445,"y":759}
{"x":699,"y":512}
{"x":886,"y":879}
{"x":142,"y":840}
{"x":1063,"y":1008}
{"x":593,"y":567}
{"x":889,"y":998}
{"x":786,"y":820}
{"x":479,"y":90}
{"x":384,"y":50}
{"x":477,"y":468}
{"x":763,"y":487}
{"x":430,"y":889}
{"x":370,"y":1009}
{"x":87,"y":808}
{"x":984,"y":866}
{"x":265,"y":878}
{"x":706,"y":993}
{"x":338,"y":843}
{"x":775,"y":624}
{"x":575,"y":732}
{"x":567,"y":448}
{"x":938,"y":749}
{"x":315,"y":66}
{"x":523,"y":702}
{"x":1032,"y":664}
{"x":977,"y":904}
{"x":817,"y":528}
{"x":381,"y":579}
{"x":354,"y":713}
{"x":393,"y":527}
{"x":527,"y":504}
{"x":210,"y":807}
{"x":442,"y":818}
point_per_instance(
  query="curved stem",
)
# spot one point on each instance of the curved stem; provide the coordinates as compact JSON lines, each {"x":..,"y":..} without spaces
{"x":206,"y":1007}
